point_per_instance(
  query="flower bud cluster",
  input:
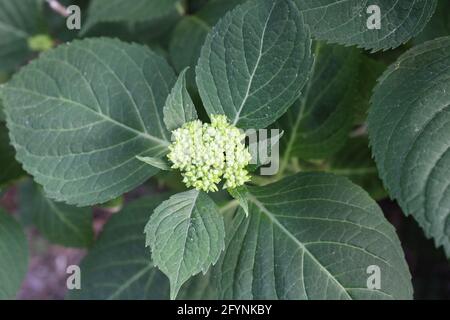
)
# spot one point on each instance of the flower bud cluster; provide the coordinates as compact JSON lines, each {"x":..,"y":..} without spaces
{"x":206,"y":153}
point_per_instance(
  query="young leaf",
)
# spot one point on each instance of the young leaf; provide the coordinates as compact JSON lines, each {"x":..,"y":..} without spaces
{"x":345,"y":22}
{"x":80,"y":114}
{"x":121,"y":11}
{"x":119,"y":266}
{"x":240,"y":194}
{"x":311,"y":236}
{"x":186,"y":235}
{"x":319,"y":123}
{"x":409,"y":129}
{"x":13,"y":256}
{"x":19,"y":20}
{"x":10,"y":169}
{"x":200,"y":287}
{"x":59,"y":223}
{"x":159,"y":163}
{"x":179,"y":107}
{"x":255,"y":62}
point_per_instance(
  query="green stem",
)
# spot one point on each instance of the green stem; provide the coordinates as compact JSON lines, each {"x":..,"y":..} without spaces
{"x":303,"y":101}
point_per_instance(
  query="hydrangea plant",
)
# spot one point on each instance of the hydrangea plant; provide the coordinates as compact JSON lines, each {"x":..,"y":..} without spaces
{"x":163,"y":106}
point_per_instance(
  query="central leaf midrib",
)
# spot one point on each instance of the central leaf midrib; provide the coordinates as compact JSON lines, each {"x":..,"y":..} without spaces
{"x":275,"y":221}
{"x":252,"y":75}
{"x":124,"y":87}
{"x":130,"y":281}
{"x":101,"y":115}
{"x":301,"y":112}
{"x":191,"y":210}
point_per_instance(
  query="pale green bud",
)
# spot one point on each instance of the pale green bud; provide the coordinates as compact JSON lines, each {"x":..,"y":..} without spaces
{"x":209,"y":152}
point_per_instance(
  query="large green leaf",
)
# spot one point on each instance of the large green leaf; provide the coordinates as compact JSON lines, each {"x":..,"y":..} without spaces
{"x":345,"y":21}
{"x":13,"y":256}
{"x":311,"y":236}
{"x":439,"y":25}
{"x":119,"y":266}
{"x":186,"y":235}
{"x":10,"y":170}
{"x":80,"y":114}
{"x":255,"y":62}
{"x":122,"y":11}
{"x":19,"y":20}
{"x":190,"y":33}
{"x":60,"y":223}
{"x":409,"y":129}
{"x":318,"y":124}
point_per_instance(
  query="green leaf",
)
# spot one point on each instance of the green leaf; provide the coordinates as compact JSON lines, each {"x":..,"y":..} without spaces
{"x":80,"y":114}
{"x":369,"y":72}
{"x":13,"y":256}
{"x":10,"y":169}
{"x":190,"y":33}
{"x":179,"y":107}
{"x":200,"y":287}
{"x":345,"y":22}
{"x":154,"y":33}
{"x":409,"y":129}
{"x":439,"y":25}
{"x":119,"y":266}
{"x":121,"y":11}
{"x":355,"y":162}
{"x":2,"y":114}
{"x":186,"y":235}
{"x":19,"y":20}
{"x":319,"y":123}
{"x":255,"y":62}
{"x":240,"y":194}
{"x":214,"y":10}
{"x":59,"y":223}
{"x":311,"y":236}
{"x":185,"y":44}
{"x":155,"y":162}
